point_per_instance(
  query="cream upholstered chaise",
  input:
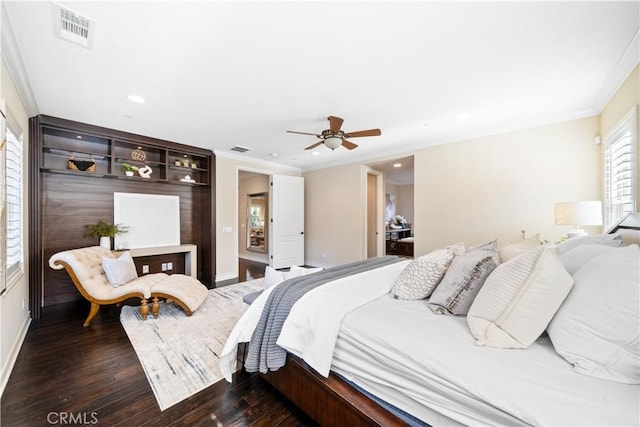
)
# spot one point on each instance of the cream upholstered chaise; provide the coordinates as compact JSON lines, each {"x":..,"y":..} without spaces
{"x":85,"y":267}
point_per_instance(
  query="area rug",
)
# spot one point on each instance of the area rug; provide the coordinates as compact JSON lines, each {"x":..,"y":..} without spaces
{"x":179,"y":354}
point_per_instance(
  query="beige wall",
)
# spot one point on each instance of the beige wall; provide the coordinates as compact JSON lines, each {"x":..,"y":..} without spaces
{"x":335,"y":215}
{"x":490,"y":187}
{"x":14,"y":319}
{"x":405,"y":201}
{"x":227,"y":208}
{"x":626,"y":98}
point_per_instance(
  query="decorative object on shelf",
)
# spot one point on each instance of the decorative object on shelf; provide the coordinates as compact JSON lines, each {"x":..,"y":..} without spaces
{"x":138,"y":155}
{"x":177,"y":162}
{"x":145,"y":172}
{"x":187,"y":178}
{"x":194,"y":164}
{"x":81,"y":165}
{"x":128,"y":169}
{"x":185,"y":163}
{"x":104,"y":231}
{"x":397,"y":222}
{"x":577,"y":214}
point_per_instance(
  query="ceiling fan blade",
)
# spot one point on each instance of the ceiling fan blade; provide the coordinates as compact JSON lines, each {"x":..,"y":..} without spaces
{"x":370,"y":132}
{"x":305,"y":133}
{"x":312,"y":146}
{"x":348,"y":144}
{"x":335,"y":123}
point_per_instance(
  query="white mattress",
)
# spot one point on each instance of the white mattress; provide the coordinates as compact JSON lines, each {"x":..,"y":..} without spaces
{"x":429,"y":366}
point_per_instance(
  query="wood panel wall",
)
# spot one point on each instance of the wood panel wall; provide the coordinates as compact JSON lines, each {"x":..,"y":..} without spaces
{"x":62,"y":204}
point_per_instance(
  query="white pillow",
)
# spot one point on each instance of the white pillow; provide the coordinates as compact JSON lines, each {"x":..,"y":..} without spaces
{"x":575,"y":258}
{"x":422,"y":275}
{"x":514,"y":249}
{"x":119,"y":270}
{"x":597,"y":327}
{"x":599,"y":239}
{"x":518,"y":299}
{"x":274,"y":277}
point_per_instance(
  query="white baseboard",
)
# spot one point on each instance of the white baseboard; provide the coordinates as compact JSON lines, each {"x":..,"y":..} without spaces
{"x":226,"y":276}
{"x":13,"y":355}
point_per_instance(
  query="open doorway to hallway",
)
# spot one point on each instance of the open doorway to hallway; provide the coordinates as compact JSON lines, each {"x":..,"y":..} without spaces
{"x":398,"y":207}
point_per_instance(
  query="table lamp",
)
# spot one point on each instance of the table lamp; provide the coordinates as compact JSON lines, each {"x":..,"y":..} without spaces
{"x":578,"y":214}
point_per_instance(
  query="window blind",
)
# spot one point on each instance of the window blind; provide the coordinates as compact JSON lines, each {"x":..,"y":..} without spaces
{"x":619,"y":170}
{"x":13,"y":182}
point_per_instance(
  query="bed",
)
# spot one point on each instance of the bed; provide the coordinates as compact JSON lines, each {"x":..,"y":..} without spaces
{"x":395,"y":362}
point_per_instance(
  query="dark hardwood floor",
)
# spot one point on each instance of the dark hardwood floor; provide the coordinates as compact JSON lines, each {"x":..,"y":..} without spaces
{"x":92,"y":376}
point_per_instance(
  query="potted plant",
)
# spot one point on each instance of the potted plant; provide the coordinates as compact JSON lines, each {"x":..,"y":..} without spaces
{"x":128,"y":169}
{"x":194,"y":164}
{"x":104,"y":231}
{"x":185,"y":163}
{"x":177,"y":162}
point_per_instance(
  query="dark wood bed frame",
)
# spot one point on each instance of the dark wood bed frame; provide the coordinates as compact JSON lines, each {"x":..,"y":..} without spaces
{"x":329,"y":401}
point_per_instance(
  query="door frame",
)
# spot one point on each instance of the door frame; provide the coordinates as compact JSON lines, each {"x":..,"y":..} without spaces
{"x":237,"y":209}
{"x":380,"y":249}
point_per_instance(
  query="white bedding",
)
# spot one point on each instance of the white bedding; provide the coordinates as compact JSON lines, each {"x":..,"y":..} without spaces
{"x":416,"y":360}
{"x":429,"y":366}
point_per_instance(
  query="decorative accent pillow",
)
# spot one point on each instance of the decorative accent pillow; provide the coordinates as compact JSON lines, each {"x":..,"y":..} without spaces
{"x":514,"y":249}
{"x":423,"y":274}
{"x":519,"y":298}
{"x":464,"y":278}
{"x":600,"y":239}
{"x":119,"y":270}
{"x":596,"y":329}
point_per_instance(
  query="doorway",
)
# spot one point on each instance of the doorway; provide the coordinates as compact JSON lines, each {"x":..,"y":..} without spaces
{"x":397,"y":207}
{"x":253,"y":223}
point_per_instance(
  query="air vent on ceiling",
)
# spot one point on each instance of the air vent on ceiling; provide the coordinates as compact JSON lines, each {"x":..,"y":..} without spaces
{"x":240,"y":149}
{"x":71,"y":26}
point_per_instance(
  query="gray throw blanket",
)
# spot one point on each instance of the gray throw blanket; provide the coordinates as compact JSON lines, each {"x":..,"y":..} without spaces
{"x":264,"y":354}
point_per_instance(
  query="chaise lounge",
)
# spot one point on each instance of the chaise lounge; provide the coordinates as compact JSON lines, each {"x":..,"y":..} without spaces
{"x":85,"y":267}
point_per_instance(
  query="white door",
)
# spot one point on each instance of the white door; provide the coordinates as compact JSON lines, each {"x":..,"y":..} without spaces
{"x":286,"y":244}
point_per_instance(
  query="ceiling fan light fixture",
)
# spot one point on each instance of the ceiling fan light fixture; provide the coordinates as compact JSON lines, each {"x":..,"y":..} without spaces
{"x":333,"y":142}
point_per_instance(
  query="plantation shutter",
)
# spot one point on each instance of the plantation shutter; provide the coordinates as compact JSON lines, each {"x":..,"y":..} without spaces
{"x":619,"y":170}
{"x":14,"y":203}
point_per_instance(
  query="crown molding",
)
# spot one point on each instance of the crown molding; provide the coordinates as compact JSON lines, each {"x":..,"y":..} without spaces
{"x":625,"y":65}
{"x":13,"y":60}
{"x":253,"y":161}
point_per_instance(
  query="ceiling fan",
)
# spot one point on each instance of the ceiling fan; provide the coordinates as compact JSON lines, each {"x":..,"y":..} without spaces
{"x":334,"y":137}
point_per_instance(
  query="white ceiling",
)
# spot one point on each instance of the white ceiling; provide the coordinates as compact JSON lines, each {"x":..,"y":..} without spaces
{"x":219,"y":74}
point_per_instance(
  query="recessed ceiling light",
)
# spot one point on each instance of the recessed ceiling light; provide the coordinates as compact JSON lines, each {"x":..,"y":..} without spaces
{"x":315,"y":153}
{"x":463,"y":116}
{"x":274,"y":154}
{"x":79,"y":136}
{"x":397,"y":165}
{"x":136,"y":98}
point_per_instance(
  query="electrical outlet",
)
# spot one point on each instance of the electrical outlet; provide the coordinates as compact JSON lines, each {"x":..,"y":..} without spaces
{"x":145,"y":269}
{"x":169,"y":266}
{"x":164,"y":266}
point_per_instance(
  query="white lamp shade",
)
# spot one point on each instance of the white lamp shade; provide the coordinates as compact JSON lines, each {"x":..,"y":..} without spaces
{"x":333,"y":142}
{"x":578,"y":213}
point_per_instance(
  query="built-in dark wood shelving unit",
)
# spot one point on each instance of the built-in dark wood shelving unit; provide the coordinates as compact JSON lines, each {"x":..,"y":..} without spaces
{"x":63,"y":200}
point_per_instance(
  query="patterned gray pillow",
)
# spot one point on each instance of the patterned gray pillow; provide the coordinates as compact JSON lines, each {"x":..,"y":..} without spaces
{"x":463,"y":280}
{"x":421,"y":276}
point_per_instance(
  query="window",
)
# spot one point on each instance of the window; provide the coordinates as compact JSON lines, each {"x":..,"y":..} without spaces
{"x":14,"y":199}
{"x":620,"y":169}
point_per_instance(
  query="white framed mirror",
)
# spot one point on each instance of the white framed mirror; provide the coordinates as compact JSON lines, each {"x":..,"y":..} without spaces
{"x":257,"y":225}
